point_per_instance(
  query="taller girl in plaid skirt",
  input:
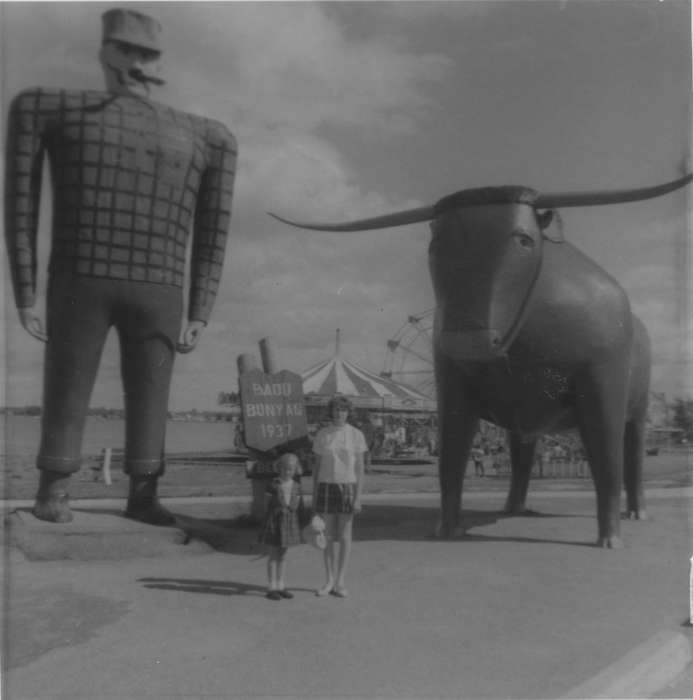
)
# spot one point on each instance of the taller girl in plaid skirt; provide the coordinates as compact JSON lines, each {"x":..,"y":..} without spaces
{"x":337,"y":484}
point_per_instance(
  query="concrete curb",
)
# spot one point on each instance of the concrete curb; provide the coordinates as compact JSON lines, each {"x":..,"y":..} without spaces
{"x":94,"y":536}
{"x":642,"y":672}
{"x":241,"y":501}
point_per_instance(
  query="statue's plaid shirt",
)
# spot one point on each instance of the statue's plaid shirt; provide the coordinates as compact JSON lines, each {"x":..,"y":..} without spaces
{"x":131,"y":179}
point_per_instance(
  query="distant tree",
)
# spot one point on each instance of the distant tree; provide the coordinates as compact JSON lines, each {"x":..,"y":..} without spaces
{"x":682,"y":416}
{"x":227,"y":398}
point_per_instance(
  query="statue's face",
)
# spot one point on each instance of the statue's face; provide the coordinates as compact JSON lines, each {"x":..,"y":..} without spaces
{"x":128,"y":69}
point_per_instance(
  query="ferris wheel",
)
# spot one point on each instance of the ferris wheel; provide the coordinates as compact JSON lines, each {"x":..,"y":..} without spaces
{"x":409,"y":358}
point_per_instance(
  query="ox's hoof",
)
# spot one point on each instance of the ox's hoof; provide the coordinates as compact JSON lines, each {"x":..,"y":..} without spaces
{"x":612,"y":542}
{"x":445,"y":532}
{"x":635,"y":515}
{"x":521,"y":511}
{"x":152,"y":513}
{"x":53,"y":509}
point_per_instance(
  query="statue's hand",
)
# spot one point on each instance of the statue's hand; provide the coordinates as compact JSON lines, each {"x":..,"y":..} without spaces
{"x":191,"y":335}
{"x":33,"y":324}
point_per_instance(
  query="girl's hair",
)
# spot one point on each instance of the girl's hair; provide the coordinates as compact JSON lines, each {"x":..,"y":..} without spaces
{"x":290,"y":458}
{"x":339,"y":402}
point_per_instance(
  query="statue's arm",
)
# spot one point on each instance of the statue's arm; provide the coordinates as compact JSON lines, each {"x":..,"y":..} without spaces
{"x":191,"y":334}
{"x":212,"y":219}
{"x":32,"y":323}
{"x":29,"y":114}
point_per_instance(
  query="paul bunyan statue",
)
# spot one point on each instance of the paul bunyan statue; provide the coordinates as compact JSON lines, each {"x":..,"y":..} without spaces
{"x":132,"y":181}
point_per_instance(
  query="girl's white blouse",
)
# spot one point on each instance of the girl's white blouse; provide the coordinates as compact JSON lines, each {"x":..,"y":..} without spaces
{"x":337,"y":447}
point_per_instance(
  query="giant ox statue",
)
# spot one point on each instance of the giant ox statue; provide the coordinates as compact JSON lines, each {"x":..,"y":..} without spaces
{"x":534,"y":336}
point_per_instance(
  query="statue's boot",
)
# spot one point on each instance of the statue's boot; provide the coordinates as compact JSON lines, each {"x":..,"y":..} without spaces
{"x":143,"y":505}
{"x":52,"y":499}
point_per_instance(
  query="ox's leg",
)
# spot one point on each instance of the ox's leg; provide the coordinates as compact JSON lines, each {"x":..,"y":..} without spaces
{"x":601,"y":413}
{"x":633,"y":457}
{"x":457,"y":423}
{"x":634,"y":438}
{"x":521,"y":462}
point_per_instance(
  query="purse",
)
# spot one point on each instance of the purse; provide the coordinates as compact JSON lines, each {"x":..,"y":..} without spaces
{"x":314,"y":533}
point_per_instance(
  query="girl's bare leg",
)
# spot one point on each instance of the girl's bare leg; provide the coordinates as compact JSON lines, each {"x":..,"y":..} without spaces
{"x":345,"y":537}
{"x":328,"y":554}
{"x":272,"y":569}
{"x":281,"y":559}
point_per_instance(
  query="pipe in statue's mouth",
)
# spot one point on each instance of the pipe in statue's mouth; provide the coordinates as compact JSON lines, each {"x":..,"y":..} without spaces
{"x":140,"y":75}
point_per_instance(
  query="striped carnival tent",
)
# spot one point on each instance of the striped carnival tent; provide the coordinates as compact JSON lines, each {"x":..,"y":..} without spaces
{"x":364,"y":388}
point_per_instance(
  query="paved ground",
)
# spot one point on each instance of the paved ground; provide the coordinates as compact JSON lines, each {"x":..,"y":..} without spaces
{"x":521,"y":607}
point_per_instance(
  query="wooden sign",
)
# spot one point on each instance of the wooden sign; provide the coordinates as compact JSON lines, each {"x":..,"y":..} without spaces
{"x":273,"y":408}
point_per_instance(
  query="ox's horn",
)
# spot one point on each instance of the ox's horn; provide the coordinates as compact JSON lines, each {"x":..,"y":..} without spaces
{"x":590,"y":199}
{"x":410,"y":216}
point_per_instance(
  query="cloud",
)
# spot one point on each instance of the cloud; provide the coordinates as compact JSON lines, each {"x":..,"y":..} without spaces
{"x":304,"y":86}
{"x":294,"y":171}
{"x":275,"y":74}
{"x":302,"y":285}
{"x":290,"y":65}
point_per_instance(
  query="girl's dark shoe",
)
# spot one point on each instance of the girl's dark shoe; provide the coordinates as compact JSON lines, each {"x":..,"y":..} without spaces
{"x":273,"y":595}
{"x":286,"y":594}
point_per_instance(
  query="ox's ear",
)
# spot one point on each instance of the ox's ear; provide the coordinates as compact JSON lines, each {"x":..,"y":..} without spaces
{"x":551,"y":225}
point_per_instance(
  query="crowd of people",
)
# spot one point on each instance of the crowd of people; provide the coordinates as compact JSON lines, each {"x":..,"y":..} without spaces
{"x":394,"y":435}
{"x":490,"y":456}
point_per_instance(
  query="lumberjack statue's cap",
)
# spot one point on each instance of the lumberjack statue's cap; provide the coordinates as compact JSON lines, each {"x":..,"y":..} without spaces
{"x":131,"y":27}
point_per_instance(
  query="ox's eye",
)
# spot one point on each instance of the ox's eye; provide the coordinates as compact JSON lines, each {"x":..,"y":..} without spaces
{"x":523,"y":240}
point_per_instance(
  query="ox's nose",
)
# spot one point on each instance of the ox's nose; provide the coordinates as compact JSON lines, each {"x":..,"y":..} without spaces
{"x":471,"y":345}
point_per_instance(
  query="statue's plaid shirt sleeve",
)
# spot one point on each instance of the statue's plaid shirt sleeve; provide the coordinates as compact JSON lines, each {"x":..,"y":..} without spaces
{"x":212,"y":220}
{"x":131,"y":179}
{"x":24,"y":146}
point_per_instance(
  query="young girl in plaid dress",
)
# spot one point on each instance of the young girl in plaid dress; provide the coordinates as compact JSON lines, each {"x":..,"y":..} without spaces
{"x":282,"y":526}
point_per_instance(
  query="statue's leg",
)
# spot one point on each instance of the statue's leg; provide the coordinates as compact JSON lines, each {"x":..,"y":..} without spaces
{"x":148,"y":329}
{"x":601,"y":413}
{"x":457,"y":422}
{"x":521,"y":462}
{"x":77,"y":326}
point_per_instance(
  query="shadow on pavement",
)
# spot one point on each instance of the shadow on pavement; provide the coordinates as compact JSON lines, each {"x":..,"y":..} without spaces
{"x":382,"y":522}
{"x":193,"y":585}
{"x":219,"y":535}
{"x":416,"y":523}
{"x":39,"y":621}
{"x":471,"y":537}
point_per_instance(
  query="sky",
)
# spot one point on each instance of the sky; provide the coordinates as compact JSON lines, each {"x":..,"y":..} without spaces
{"x":345,"y":110}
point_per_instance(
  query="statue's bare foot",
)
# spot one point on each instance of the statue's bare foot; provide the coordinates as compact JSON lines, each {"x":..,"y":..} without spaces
{"x":151,"y":513}
{"x":54,"y":508}
{"x":52,"y":500}
{"x":612,"y":542}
